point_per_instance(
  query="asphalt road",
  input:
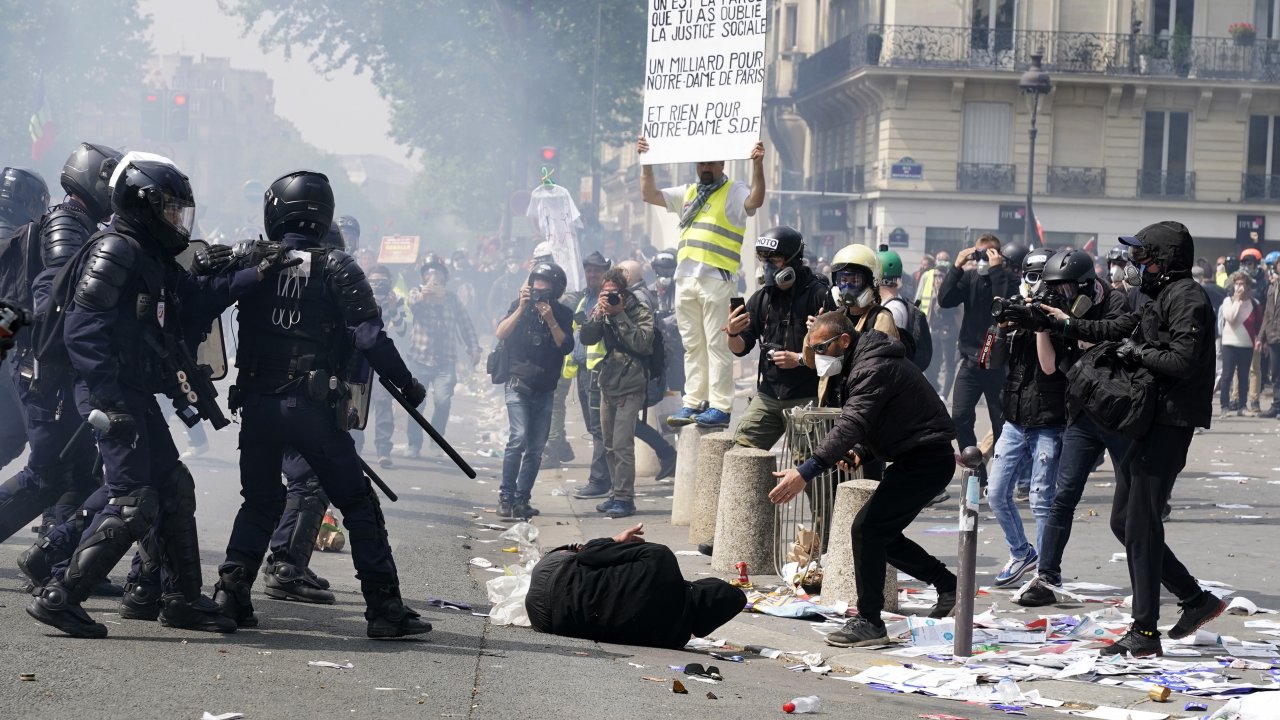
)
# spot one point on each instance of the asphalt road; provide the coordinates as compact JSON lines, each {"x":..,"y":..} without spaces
{"x":467,"y":668}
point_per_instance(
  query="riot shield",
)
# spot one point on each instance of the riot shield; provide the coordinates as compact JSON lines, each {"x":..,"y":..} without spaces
{"x":211,"y":353}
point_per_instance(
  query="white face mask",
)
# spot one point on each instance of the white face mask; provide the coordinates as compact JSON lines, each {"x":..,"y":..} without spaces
{"x":828,"y":366}
{"x":984,"y":267}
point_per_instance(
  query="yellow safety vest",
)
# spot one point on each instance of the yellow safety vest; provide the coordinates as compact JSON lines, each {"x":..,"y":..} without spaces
{"x":925,"y":296}
{"x":595,"y":353}
{"x":711,"y":238}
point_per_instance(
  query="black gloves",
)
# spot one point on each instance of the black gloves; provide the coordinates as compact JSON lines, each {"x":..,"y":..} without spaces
{"x":414,"y":392}
{"x":1129,"y":353}
{"x":277,"y":261}
{"x":212,"y":260}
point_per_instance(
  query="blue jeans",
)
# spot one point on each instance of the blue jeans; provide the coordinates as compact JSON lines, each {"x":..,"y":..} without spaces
{"x":530,"y":418}
{"x":1081,"y":443}
{"x":440,"y":381}
{"x":1018,"y":451}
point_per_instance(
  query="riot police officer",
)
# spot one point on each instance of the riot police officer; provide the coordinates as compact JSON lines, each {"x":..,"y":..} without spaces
{"x":46,"y":390}
{"x":128,"y":324}
{"x":297,"y":338}
{"x":23,"y":199}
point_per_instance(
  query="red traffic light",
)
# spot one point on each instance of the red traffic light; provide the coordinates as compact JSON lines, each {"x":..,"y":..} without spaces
{"x":548,"y":154}
{"x":152,"y":97}
{"x":179,"y":99}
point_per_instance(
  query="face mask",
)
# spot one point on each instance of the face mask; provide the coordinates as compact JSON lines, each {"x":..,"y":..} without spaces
{"x":783,"y":278}
{"x":984,"y":267}
{"x":1117,"y":273}
{"x":664,"y":282}
{"x":944,"y":264}
{"x":828,"y":366}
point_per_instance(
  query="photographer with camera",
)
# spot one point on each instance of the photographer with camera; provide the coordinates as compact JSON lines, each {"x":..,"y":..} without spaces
{"x":625,"y":327}
{"x":1034,"y":407}
{"x":974,"y":289}
{"x":1170,"y":341}
{"x":536,"y":335}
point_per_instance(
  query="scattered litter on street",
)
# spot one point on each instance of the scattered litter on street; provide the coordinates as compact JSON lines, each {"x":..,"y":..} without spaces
{"x":327,"y":664}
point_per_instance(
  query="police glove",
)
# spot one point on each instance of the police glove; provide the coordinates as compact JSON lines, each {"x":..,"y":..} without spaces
{"x":121,"y":427}
{"x":212,"y":260}
{"x":1129,"y":353}
{"x":414,"y":392}
{"x":277,"y":261}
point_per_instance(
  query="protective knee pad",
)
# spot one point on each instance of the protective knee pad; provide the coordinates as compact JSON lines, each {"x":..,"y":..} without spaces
{"x":93,"y":560}
{"x":310,"y":508}
{"x":178,"y":529}
{"x":178,"y":492}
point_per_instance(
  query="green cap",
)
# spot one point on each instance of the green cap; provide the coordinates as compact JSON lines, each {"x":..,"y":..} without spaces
{"x":890,"y":264}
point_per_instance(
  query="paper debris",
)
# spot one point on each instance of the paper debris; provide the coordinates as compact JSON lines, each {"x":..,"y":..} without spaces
{"x":224,"y":716}
{"x":1104,"y":712}
{"x":327,"y":664}
{"x":480,"y":562}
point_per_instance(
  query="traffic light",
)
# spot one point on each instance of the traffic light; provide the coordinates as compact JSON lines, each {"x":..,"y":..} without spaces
{"x":548,"y":155}
{"x":152,"y":116}
{"x":179,"y":115}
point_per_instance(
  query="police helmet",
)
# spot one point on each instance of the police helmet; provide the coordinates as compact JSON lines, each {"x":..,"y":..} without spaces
{"x":23,"y":195}
{"x":151,"y":195}
{"x":333,"y":238}
{"x":553,"y":274}
{"x":300,"y":202}
{"x":350,"y":229}
{"x":87,"y":174}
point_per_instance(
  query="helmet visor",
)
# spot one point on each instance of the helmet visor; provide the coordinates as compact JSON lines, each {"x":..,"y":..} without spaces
{"x":179,"y":214}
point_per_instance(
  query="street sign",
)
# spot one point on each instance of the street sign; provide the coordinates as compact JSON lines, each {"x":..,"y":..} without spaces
{"x":899,"y":238}
{"x":398,"y":250}
{"x":906,"y":169}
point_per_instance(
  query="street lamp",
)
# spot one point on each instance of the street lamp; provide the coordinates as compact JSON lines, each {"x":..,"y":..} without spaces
{"x":1034,"y":82}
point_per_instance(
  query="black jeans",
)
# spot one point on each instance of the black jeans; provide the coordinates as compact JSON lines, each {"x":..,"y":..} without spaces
{"x":1082,"y":442}
{"x":972,"y":383}
{"x":908,"y":486}
{"x":1235,"y":362}
{"x":942,"y":374}
{"x":1273,"y":353}
{"x":1143,"y":484}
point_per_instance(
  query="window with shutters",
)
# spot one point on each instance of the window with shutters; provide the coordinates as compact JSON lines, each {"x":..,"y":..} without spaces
{"x":986,"y":149}
{"x":1165,"y":139}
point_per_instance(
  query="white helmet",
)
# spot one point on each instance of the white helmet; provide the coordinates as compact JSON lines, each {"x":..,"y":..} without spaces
{"x":855,"y":258}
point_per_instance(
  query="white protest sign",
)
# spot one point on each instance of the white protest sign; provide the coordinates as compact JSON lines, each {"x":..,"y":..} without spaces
{"x":704,"y":79}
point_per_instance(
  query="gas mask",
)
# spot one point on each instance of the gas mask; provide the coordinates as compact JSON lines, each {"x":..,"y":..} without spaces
{"x":782,"y":278}
{"x":984,"y":267}
{"x":1117,"y":274}
{"x":1034,"y":283}
{"x":828,"y":366}
{"x":855,"y":292}
{"x":664,"y":281}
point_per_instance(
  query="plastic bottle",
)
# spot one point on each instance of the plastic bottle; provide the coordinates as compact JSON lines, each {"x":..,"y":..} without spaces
{"x":800,"y":705}
{"x":1009,"y":691}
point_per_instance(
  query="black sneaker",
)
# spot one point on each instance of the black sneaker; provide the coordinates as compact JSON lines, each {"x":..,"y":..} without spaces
{"x":54,"y":608}
{"x":392,"y":620}
{"x":939,"y":498}
{"x":945,"y":606}
{"x":505,"y":509}
{"x":200,"y":614}
{"x":1196,"y":613}
{"x":1137,"y":643}
{"x":524,"y":511}
{"x":858,"y":632}
{"x":591,"y":491}
{"x":707,"y":548}
{"x":1037,"y":594}
{"x":140,"y":602}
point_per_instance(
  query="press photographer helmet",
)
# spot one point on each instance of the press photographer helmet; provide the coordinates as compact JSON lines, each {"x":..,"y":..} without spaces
{"x":787,"y":243}
{"x":553,"y":274}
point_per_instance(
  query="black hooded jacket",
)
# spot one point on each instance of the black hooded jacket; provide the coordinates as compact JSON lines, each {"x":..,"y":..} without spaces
{"x":779,"y":318}
{"x":890,"y":408}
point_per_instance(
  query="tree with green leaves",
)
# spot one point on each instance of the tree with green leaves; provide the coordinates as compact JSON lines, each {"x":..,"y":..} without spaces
{"x":479,"y":85}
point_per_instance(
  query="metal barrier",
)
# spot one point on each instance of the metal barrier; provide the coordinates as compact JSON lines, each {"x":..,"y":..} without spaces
{"x":811,"y":510}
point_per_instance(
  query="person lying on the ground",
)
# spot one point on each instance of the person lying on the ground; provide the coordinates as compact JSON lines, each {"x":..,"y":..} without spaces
{"x":626,"y":591}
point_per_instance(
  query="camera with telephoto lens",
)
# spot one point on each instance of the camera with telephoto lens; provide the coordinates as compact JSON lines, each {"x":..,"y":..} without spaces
{"x":1025,"y":312}
{"x":769,"y":349}
{"x":613,"y":298}
{"x":537,"y":295}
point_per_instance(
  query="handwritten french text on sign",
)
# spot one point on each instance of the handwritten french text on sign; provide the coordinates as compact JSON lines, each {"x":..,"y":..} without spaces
{"x":398,"y":250}
{"x":704,"y":80}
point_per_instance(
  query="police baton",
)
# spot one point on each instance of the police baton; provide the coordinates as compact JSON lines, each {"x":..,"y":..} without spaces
{"x":377,"y":480}
{"x":417,"y":416}
{"x":97,"y":419}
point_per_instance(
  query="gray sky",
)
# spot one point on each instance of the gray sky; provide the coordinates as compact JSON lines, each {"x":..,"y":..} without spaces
{"x":303,"y":96}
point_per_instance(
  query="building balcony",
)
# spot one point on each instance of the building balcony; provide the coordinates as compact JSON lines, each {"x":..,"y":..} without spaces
{"x":968,"y":48}
{"x":1260,"y":188}
{"x":985,"y":178}
{"x":1077,"y":181}
{"x":842,"y":180}
{"x":1172,"y":185}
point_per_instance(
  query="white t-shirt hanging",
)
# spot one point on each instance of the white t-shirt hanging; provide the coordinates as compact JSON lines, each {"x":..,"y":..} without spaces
{"x":553,"y":210}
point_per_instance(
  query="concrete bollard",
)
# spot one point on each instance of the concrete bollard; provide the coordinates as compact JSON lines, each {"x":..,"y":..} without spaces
{"x":686,"y":469}
{"x":706,"y":485}
{"x":837,"y":573}
{"x":744,"y":518}
{"x":647,"y":464}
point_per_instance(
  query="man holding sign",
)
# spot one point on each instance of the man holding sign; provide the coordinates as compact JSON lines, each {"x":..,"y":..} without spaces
{"x":713,"y":216}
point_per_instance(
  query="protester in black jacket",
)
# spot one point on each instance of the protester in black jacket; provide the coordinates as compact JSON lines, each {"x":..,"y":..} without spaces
{"x":974,"y":289}
{"x":775,"y":317}
{"x":893,"y":412}
{"x":626,"y":591}
{"x":1172,"y":338}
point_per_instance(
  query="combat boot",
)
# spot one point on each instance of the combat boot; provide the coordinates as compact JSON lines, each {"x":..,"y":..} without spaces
{"x":387,"y":615}
{"x":37,"y":564}
{"x":231,"y":593}
{"x":56,"y":607}
{"x":284,"y":581}
{"x":140,"y":602}
{"x":201,"y":614}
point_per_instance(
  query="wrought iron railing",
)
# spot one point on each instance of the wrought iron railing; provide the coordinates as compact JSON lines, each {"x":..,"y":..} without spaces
{"x":1077,"y":181}
{"x":968,"y":48}
{"x":1160,"y":184}
{"x":1261,"y":188}
{"x":985,"y":178}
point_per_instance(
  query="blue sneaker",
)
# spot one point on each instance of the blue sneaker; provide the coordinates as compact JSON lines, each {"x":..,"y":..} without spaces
{"x":1016,"y":568}
{"x":684,"y":416}
{"x":621,"y":509}
{"x":712,"y":418}
{"x":607,"y":505}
